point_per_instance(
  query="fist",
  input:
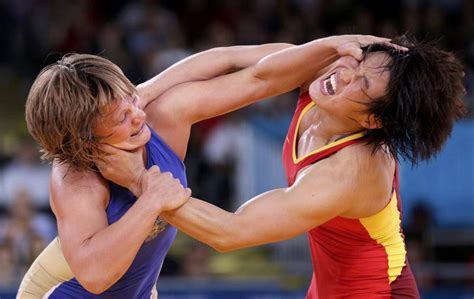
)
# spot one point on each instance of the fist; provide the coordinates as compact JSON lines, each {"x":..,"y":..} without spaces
{"x":351,"y":44}
{"x":163,"y":191}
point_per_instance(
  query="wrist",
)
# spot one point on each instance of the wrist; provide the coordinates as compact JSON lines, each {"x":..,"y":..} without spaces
{"x":136,"y":187}
{"x":150,"y":203}
{"x":330,"y":43}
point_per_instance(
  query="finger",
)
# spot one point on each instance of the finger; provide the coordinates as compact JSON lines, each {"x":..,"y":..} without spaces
{"x":352,"y":50}
{"x":398,"y":47}
{"x":188,"y":192}
{"x":377,"y":40}
{"x":155,"y":168}
{"x":112,"y":150}
{"x":372,"y":40}
{"x":101,"y":166}
{"x":357,"y":53}
{"x":382,"y":40}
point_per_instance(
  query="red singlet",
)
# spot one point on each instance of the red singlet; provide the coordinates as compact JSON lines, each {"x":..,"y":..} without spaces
{"x":352,"y":258}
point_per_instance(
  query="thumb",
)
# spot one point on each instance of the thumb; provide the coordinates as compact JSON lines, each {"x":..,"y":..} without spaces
{"x":155,"y":168}
{"x":352,"y":49}
{"x":188,"y":192}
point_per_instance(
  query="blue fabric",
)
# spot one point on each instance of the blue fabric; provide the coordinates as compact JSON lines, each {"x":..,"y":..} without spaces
{"x":142,"y":275}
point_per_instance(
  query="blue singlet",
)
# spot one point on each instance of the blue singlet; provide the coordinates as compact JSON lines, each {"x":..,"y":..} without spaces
{"x":141,"y":277}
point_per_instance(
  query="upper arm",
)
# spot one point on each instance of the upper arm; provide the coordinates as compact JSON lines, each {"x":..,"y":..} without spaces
{"x":342,"y":185}
{"x":78,"y":201}
{"x":319,"y":194}
{"x":173,"y":113}
{"x":205,"y":65}
{"x":195,"y":101}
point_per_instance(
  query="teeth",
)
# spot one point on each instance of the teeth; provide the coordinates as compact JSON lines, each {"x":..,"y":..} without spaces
{"x":334,"y":83}
{"x":325,"y":86}
{"x":329,"y":86}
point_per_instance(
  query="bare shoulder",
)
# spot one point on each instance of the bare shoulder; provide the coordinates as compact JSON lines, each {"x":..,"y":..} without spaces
{"x":372,"y":173}
{"x":162,"y":110}
{"x":165,"y":117}
{"x":363,"y":177}
{"x":69,"y":187}
{"x":361,"y":160}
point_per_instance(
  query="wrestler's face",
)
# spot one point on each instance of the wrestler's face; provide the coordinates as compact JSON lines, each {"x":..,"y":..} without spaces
{"x":123,"y":125}
{"x":349,"y":85}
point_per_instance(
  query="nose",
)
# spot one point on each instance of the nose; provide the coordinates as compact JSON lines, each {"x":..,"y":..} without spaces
{"x":350,"y":68}
{"x":138,"y":116}
{"x":349,"y":74}
{"x":346,"y":75}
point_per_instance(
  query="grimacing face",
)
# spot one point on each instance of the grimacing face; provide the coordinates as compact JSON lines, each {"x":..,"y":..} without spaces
{"x":123,"y":125}
{"x":349,"y":84}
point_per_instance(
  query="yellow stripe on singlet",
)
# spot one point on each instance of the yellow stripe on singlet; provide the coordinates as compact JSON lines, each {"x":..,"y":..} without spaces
{"x":384,"y":227}
{"x":332,"y":144}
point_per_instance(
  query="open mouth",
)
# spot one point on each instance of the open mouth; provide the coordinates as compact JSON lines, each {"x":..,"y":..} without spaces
{"x":139,"y":131}
{"x":329,"y":85}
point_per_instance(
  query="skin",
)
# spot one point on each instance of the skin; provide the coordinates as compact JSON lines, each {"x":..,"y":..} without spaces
{"x":352,"y":183}
{"x":123,"y":125}
{"x":99,"y":254}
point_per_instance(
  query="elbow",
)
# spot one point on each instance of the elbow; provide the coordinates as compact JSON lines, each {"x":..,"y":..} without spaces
{"x":222,"y":248}
{"x":94,"y":281}
{"x":95,"y":287}
{"x":225,"y":245}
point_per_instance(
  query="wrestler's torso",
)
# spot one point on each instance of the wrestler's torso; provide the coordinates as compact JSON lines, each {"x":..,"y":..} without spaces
{"x":363,"y":257}
{"x":140,"y":278}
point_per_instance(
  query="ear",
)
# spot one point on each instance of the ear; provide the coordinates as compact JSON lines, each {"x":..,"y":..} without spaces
{"x":372,"y":122}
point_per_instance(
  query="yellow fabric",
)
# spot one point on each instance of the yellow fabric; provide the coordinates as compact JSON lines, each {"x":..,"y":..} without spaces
{"x":47,"y":271}
{"x":332,"y":144}
{"x":384,"y":227}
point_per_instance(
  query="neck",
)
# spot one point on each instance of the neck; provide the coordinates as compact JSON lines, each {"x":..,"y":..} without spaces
{"x":143,"y":152}
{"x":330,"y":128}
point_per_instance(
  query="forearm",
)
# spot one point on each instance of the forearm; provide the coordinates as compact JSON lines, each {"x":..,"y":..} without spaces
{"x":289,"y":68}
{"x":205,"y":65}
{"x":106,"y":256}
{"x":204,"y":222}
{"x":259,"y":221}
{"x":243,"y":56}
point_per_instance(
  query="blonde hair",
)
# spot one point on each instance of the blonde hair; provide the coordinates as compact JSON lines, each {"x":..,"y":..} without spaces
{"x":64,"y":105}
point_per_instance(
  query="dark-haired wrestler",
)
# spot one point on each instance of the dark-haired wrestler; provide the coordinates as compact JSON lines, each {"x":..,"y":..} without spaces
{"x":350,"y":127}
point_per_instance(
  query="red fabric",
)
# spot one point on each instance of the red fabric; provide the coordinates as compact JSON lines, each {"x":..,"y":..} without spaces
{"x":291,"y":168}
{"x":347,"y":262}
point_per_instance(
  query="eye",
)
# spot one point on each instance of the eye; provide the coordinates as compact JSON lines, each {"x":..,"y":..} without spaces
{"x":366,"y":83}
{"x":135,"y":99}
{"x":125,"y":116}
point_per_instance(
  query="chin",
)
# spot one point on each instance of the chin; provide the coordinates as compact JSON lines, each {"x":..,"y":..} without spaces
{"x":136,"y":142}
{"x":143,"y":138}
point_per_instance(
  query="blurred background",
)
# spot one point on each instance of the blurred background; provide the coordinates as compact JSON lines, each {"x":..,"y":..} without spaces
{"x":233,"y":157}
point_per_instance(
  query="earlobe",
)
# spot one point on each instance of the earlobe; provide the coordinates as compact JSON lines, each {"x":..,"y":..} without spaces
{"x":372,"y":123}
